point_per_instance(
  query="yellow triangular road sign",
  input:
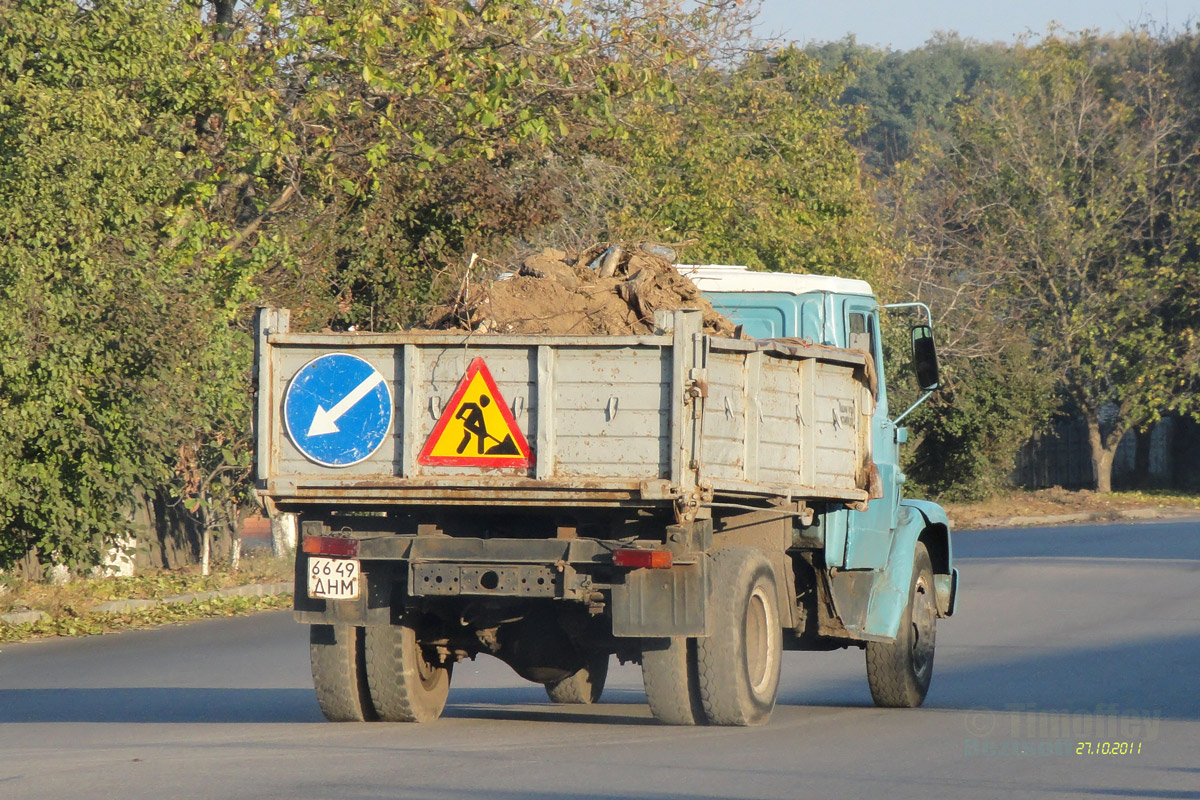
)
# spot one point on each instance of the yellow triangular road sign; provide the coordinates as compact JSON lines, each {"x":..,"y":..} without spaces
{"x":476,"y":428}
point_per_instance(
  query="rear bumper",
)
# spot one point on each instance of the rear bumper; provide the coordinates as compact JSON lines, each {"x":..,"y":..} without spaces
{"x":432,"y":570}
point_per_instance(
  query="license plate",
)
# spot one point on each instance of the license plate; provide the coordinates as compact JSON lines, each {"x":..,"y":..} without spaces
{"x":333,"y":578}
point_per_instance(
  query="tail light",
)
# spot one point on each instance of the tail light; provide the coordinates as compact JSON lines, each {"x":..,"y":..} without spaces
{"x":642,"y":559}
{"x":343,"y":546}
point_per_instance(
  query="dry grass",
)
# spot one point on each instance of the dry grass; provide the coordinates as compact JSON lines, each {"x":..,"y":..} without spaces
{"x":70,"y":623}
{"x":1054,"y":502}
{"x":78,"y":598}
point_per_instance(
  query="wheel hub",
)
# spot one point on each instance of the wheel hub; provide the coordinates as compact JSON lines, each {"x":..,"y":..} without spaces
{"x":924,"y":621}
{"x":761,"y":631}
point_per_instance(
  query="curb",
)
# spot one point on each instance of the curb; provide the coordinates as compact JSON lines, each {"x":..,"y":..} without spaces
{"x":125,"y":606}
{"x":1085,"y":516}
{"x":23,"y":617}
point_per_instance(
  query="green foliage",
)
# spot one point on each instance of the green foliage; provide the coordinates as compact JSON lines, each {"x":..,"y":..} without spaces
{"x":112,"y":344}
{"x":70,"y":622}
{"x":389,"y":139}
{"x":1077,"y":192}
{"x":160,"y":176}
{"x":964,"y":442}
{"x":754,"y":166}
{"x":1063,"y":211}
{"x":966,"y":439}
{"x":913,"y":92}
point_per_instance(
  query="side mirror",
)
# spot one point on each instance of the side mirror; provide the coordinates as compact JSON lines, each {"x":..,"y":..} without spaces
{"x":924,"y":356}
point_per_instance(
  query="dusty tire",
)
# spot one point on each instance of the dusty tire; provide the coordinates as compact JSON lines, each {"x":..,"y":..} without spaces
{"x":899,"y":673}
{"x":405,"y":684}
{"x":339,"y":673}
{"x":584,"y":687}
{"x":672,"y":686}
{"x":738,"y":666}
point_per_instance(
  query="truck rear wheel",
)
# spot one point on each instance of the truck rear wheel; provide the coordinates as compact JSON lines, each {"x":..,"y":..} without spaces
{"x":899,"y":672}
{"x":339,"y":673}
{"x":585,"y":686}
{"x":672,"y":687}
{"x":406,"y":683}
{"x":739,"y":664}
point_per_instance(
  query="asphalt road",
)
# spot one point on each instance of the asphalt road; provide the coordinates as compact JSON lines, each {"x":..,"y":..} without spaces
{"x":1067,"y":635}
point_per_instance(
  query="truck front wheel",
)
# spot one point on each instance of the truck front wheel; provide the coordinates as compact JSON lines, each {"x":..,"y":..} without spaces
{"x":406,"y":682}
{"x":899,"y":672}
{"x":339,"y":673}
{"x":585,"y":686}
{"x":739,"y":664}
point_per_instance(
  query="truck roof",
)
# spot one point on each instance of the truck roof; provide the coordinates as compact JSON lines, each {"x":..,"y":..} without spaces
{"x":734,"y":278}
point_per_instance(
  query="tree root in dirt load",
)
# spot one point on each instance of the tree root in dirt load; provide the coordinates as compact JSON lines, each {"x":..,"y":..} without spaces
{"x":601,"y":291}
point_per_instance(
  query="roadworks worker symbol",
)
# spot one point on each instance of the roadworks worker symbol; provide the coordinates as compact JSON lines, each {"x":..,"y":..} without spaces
{"x":476,"y":429}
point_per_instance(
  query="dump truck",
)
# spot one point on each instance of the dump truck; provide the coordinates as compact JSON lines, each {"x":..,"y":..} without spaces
{"x":687,"y":502}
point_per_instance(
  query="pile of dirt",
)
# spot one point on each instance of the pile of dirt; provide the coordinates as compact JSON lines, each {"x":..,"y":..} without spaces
{"x":605,"y":290}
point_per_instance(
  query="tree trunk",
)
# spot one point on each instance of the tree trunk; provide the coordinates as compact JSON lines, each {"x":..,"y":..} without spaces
{"x":283,"y":535}
{"x":205,"y":551}
{"x":223,"y":19}
{"x":1143,"y":478}
{"x":223,"y":11}
{"x":1104,"y":452}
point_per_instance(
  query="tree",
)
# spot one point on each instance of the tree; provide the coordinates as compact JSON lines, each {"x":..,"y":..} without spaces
{"x":165,"y":166}
{"x":906,"y":94}
{"x":365,"y":148}
{"x":754,"y":166}
{"x":115,"y":340}
{"x":1072,"y":198}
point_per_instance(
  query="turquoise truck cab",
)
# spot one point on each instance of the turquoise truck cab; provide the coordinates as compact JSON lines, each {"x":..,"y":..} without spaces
{"x":869,"y":554}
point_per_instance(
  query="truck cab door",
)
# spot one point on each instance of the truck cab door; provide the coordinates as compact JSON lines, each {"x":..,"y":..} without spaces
{"x":869,"y":533}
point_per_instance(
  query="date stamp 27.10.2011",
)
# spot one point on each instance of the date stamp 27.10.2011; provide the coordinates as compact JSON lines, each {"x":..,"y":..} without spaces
{"x":1027,"y":731}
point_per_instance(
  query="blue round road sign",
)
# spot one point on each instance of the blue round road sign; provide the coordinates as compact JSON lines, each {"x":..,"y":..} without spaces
{"x":338,"y":410}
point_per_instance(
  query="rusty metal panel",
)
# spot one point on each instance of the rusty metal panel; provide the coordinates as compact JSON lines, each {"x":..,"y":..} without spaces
{"x":754,"y":419}
{"x":605,"y":417}
{"x":806,"y":413}
{"x":514,"y":580}
{"x":837,"y":426}
{"x":662,"y":602}
{"x":686,"y":402}
{"x":409,"y":415}
{"x":515,"y":370}
{"x":781,"y":435}
{"x":270,"y":321}
{"x":634,"y":458}
{"x":612,"y":412}
{"x":514,"y":551}
{"x":724,"y":454}
{"x":545,"y":445}
{"x":290,"y":461}
{"x":785,"y":420}
{"x":326,"y":342}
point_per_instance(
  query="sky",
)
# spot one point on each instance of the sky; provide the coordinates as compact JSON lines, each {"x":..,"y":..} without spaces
{"x":906,"y":24}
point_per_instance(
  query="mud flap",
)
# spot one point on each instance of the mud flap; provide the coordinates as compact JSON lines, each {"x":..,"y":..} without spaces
{"x":946,"y":587}
{"x":373,"y":606}
{"x":662,"y":602}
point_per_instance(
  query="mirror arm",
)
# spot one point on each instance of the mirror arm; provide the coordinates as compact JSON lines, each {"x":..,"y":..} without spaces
{"x":913,"y":407}
{"x":928,"y":313}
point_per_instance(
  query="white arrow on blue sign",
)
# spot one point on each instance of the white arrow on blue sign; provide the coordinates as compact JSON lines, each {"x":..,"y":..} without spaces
{"x":338,"y":410}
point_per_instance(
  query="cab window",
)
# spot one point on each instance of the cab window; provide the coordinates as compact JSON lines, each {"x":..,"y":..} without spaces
{"x":862,"y":333}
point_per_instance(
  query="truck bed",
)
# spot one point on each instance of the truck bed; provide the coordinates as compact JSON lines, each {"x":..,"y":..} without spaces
{"x":676,"y":417}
